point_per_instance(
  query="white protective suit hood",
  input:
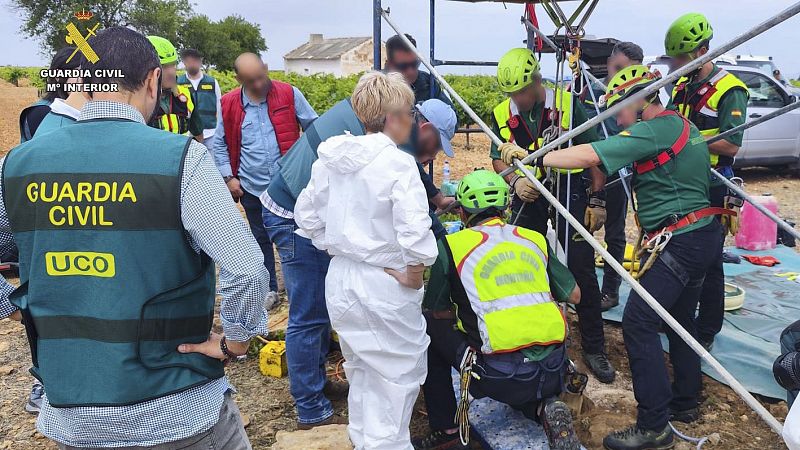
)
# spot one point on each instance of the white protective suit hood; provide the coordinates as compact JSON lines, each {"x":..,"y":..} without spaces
{"x":366,"y":201}
{"x":347,"y":153}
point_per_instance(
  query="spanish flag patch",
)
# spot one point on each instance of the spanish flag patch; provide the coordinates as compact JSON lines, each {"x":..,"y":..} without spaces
{"x":736,"y":113}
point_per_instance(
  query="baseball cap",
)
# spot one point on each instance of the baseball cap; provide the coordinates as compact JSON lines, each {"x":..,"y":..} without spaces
{"x":442,"y":116}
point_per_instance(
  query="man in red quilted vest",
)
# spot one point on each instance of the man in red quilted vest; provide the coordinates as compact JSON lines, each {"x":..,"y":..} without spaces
{"x":260,"y":122}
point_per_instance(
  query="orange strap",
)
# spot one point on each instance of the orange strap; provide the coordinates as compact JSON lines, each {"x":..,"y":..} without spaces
{"x":693,"y":218}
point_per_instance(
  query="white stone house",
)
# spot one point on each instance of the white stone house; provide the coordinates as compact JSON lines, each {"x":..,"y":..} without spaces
{"x":336,"y":56}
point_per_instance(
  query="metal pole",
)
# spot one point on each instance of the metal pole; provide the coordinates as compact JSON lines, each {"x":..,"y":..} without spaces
{"x":790,"y":107}
{"x":377,"y":10}
{"x":653,"y":303}
{"x":654,"y":87}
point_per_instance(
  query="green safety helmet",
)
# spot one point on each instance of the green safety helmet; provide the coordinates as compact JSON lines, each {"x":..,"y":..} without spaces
{"x":628,"y":81}
{"x":166,"y":51}
{"x":686,"y":34}
{"x":482,"y":190}
{"x":516,"y":69}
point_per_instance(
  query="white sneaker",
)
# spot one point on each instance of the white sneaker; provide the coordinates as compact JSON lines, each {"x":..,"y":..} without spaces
{"x":272,"y":299}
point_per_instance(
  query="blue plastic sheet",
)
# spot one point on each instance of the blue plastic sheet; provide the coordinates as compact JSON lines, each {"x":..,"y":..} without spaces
{"x":748,"y":343}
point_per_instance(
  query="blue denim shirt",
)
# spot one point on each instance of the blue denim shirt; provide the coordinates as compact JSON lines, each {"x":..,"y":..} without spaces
{"x":260,"y":149}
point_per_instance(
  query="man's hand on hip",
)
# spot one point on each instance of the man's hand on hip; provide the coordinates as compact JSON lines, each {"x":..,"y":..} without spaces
{"x":212,"y":348}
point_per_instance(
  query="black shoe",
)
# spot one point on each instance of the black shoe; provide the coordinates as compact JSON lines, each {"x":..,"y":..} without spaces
{"x":634,"y":438}
{"x":608,"y":301}
{"x":557,"y":423}
{"x":600,"y":366}
{"x":439,"y":440}
{"x":686,"y":416}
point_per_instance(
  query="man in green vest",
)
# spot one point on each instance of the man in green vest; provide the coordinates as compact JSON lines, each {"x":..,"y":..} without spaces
{"x":489,"y":298}
{"x":205,"y":93}
{"x":529,"y":115}
{"x":175,"y":109}
{"x":671,"y":165}
{"x":119,"y":333}
{"x":715,"y":101}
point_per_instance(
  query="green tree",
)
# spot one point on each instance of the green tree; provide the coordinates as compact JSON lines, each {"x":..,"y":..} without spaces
{"x":221,"y":42}
{"x":45,"y":19}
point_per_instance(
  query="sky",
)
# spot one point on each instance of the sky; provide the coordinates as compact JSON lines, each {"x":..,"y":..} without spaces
{"x":481,"y":31}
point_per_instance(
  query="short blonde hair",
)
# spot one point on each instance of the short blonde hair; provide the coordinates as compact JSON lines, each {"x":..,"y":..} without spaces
{"x":378,"y":94}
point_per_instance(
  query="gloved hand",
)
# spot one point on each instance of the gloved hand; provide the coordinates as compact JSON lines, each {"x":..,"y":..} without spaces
{"x":510,"y":151}
{"x":524,"y":189}
{"x":731,"y":223}
{"x":595,"y":216}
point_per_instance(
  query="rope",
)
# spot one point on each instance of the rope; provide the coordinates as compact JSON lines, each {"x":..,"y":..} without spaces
{"x":699,"y":441}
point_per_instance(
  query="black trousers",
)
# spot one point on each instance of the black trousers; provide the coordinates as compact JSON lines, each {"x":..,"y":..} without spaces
{"x":790,"y":342}
{"x":580,"y":255}
{"x":533,"y":382}
{"x":711,"y":311}
{"x":616,"y":212}
{"x":675,"y":280}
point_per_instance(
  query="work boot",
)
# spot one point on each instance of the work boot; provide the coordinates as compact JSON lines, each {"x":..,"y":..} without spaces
{"x":439,"y":440}
{"x":332,"y":420}
{"x":34,"y":404}
{"x":557,"y":423}
{"x":608,"y":301}
{"x":600,"y":366}
{"x":635,"y":438}
{"x":686,"y":416}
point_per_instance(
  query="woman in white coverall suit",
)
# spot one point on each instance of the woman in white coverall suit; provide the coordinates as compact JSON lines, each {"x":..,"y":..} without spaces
{"x":366,"y":206}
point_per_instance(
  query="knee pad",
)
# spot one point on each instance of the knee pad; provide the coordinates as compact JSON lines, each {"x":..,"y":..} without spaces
{"x":786,"y":370}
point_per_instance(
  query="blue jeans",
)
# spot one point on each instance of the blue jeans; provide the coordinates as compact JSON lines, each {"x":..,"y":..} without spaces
{"x":675,"y":280}
{"x":304,"y":269}
{"x":252,"y":209}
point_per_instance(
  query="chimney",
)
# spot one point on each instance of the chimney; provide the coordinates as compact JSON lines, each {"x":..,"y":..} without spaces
{"x":315,"y":38}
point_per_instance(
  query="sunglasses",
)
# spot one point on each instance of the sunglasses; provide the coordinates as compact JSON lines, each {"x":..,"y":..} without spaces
{"x":402,"y":67}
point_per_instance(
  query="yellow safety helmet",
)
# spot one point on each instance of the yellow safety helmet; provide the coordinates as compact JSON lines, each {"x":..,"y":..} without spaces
{"x":517,"y":69}
{"x":628,"y":81}
{"x":166,"y":51}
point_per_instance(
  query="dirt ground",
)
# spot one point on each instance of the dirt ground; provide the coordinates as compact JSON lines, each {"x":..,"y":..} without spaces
{"x":268,"y":406}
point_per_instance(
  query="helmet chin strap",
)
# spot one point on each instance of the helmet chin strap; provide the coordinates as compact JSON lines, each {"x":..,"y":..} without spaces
{"x":641,"y":110}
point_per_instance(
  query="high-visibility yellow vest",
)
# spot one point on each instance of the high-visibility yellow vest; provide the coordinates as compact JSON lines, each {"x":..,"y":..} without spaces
{"x":507,"y":109}
{"x":702,"y":107}
{"x":504,"y":272}
{"x":181,"y":107}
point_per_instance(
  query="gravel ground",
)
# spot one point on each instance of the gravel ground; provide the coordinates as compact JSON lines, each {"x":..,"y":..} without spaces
{"x":268,"y":407}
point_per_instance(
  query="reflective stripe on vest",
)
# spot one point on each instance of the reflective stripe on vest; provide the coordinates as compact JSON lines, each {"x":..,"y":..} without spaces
{"x":503,"y":269}
{"x":507,"y":109}
{"x":177,"y":120}
{"x":702,"y":107}
{"x":204,"y":98}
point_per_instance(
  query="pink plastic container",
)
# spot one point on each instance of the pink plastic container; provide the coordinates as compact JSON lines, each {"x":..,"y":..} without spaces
{"x":757,"y":231}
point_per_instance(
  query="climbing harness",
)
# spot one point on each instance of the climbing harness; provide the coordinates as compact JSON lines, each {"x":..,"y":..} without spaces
{"x":469,"y":359}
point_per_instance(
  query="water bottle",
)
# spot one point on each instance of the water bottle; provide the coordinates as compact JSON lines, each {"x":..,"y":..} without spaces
{"x":446,"y":172}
